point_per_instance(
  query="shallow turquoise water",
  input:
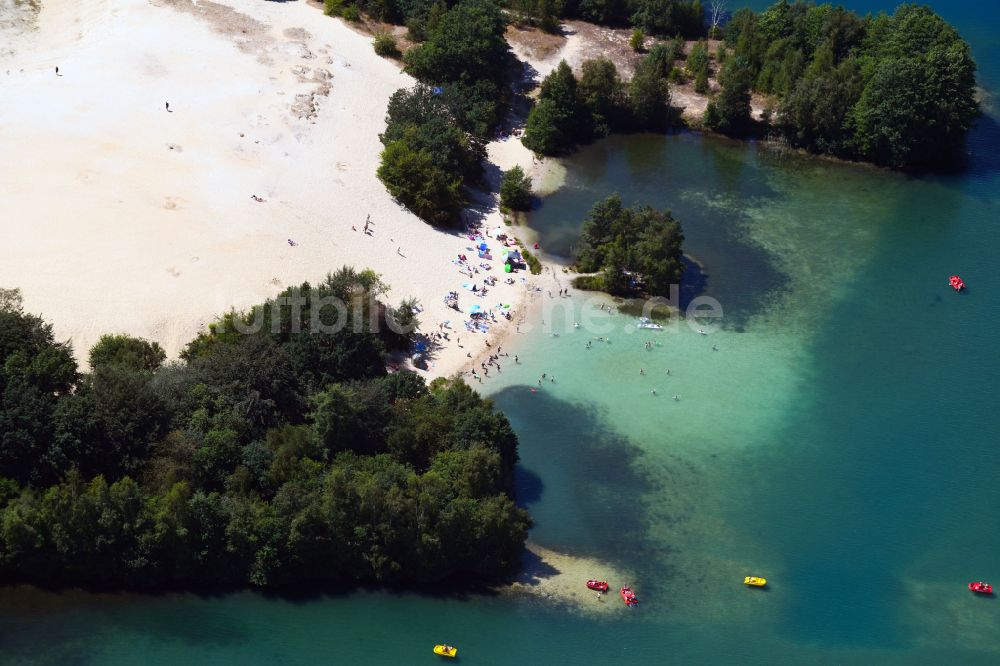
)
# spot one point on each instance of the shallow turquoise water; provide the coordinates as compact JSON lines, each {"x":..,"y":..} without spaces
{"x":841,"y":441}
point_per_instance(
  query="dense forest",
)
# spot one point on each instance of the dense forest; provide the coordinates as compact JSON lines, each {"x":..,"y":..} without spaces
{"x":896,"y":90}
{"x":655,"y":17}
{"x":280,"y":455}
{"x":631,"y":251}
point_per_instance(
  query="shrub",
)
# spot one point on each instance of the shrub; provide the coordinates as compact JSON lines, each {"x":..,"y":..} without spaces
{"x":351,"y":13}
{"x":637,"y":40}
{"x":589,"y":282}
{"x":701,"y":83}
{"x":333,"y":7}
{"x":385,"y":44}
{"x":534,"y":265}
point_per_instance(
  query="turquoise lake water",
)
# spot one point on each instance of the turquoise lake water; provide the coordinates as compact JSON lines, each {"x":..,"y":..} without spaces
{"x":841,"y":440}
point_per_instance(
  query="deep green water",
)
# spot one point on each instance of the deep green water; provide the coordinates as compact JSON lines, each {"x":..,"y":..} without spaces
{"x":842,"y":441}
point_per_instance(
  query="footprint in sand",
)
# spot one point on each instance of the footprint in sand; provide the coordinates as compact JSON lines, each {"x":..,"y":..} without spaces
{"x":170,"y":203}
{"x":343,"y":166}
{"x":173,"y":272}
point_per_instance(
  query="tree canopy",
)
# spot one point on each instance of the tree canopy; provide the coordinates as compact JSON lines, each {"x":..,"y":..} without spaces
{"x":897,"y":89}
{"x":635,"y":250}
{"x":571,"y":112}
{"x":427,"y":156}
{"x":434,"y":135}
{"x":278,"y":452}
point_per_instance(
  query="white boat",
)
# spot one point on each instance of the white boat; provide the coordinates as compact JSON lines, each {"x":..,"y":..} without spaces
{"x":645,"y":322}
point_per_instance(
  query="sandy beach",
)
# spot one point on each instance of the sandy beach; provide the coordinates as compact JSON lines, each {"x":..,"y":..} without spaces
{"x":556,"y":577}
{"x":124,"y":217}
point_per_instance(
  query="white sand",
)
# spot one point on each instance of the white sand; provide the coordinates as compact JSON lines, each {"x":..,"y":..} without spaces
{"x":561,"y":578}
{"x":120,"y":217}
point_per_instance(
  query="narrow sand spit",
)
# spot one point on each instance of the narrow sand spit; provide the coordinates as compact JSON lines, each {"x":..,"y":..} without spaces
{"x":123,"y":217}
{"x":561,"y":578}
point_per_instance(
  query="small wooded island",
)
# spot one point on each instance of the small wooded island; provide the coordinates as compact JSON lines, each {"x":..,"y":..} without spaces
{"x":271,"y":458}
{"x":630,"y":251}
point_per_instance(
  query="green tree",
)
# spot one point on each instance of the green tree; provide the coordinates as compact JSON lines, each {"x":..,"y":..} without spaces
{"x":635,"y":249}
{"x":603,"y":92}
{"x":515,"y":189}
{"x":412,"y":176}
{"x":729,"y":111}
{"x":385,"y":44}
{"x":637,"y":41}
{"x":134,"y":353}
{"x":560,"y":120}
{"x":669,"y":17}
{"x":648,"y":98}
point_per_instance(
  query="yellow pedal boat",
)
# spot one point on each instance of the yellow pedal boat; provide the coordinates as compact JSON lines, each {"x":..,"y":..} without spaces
{"x":446,"y":651}
{"x":755,"y":581}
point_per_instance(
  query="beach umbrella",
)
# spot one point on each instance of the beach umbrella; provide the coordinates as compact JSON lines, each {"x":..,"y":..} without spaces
{"x":483,"y":246}
{"x":475,"y":309}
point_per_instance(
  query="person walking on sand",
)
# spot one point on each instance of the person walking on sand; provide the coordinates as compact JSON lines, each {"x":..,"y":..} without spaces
{"x":57,"y":71}
{"x":168,"y":107}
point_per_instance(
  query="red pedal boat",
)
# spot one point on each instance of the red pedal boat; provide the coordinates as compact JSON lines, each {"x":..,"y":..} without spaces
{"x":628,"y":596}
{"x":980,"y":587}
{"x":599,"y":585}
{"x":956,"y":283}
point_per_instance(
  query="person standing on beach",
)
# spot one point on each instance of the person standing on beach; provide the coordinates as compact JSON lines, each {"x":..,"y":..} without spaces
{"x":167,"y":106}
{"x":57,"y":70}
